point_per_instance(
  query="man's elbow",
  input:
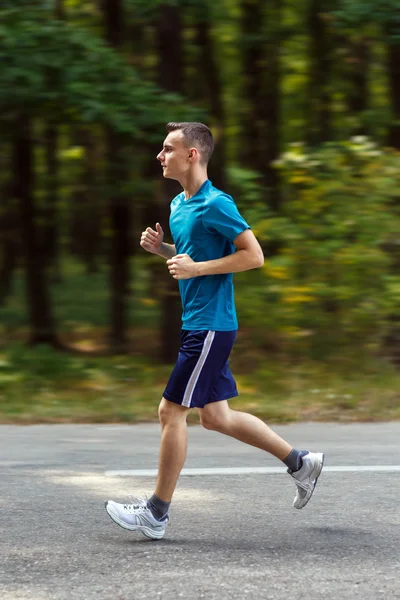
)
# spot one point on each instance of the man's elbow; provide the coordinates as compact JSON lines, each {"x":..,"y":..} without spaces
{"x":258,"y":259}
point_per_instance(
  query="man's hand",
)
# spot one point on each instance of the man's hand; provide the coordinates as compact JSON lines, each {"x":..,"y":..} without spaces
{"x":152,"y":240}
{"x":182,"y":266}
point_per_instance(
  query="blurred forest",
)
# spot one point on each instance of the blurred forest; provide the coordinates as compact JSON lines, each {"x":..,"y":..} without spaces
{"x":303,"y":98}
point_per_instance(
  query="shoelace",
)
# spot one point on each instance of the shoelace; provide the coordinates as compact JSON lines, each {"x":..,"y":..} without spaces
{"x":135,"y":508}
{"x":137,"y":505}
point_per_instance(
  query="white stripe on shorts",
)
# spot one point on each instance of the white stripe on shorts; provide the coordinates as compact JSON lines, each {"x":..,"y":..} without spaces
{"x":187,"y":397}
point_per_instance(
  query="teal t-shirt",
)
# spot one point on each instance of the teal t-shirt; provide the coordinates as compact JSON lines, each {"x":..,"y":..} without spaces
{"x":204,"y":227}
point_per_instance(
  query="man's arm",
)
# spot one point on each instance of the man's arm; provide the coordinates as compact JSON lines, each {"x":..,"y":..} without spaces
{"x":248,"y":255}
{"x":152,"y":241}
{"x":167,"y":250}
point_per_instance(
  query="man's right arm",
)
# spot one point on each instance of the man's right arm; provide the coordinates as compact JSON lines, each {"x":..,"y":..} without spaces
{"x":167,"y":251}
{"x":152,"y":241}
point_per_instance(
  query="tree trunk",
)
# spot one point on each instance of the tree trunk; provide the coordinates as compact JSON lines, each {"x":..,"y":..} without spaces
{"x":38,"y":299}
{"x":50,"y":241}
{"x":357,"y":78}
{"x":170,"y":78}
{"x":393,"y":61}
{"x":120,"y":217}
{"x":93,"y":208}
{"x":60,"y":9}
{"x":253,"y":54}
{"x":392,"y":341}
{"x":138,"y":47}
{"x":49,"y":237}
{"x":10,"y":235}
{"x":319,"y":104}
{"x":211,"y":84}
{"x":272,"y":104}
{"x":87,"y":210}
{"x":261,"y":26}
{"x":119,"y":209}
{"x":8,"y":261}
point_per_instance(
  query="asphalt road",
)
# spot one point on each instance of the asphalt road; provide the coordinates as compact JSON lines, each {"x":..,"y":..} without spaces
{"x":230,"y":536}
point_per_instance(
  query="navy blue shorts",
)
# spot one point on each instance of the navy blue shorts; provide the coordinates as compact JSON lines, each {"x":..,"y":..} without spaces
{"x":201,"y":374}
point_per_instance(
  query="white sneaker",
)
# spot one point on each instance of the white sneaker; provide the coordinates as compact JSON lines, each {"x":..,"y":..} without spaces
{"x":137,"y":517}
{"x":306,"y":478}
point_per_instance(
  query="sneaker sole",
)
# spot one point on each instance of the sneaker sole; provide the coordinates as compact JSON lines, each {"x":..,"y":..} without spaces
{"x":147,"y":531}
{"x":316,"y":473}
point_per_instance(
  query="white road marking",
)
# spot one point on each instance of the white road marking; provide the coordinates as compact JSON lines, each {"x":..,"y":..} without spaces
{"x":257,"y":470}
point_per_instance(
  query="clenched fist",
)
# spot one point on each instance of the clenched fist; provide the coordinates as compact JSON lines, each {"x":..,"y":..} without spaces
{"x":151,"y":240}
{"x":182,"y":266}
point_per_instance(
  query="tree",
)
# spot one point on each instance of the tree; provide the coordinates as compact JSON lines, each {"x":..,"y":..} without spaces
{"x":319,"y":105}
{"x":50,"y":235}
{"x":119,"y":209}
{"x":39,"y":306}
{"x":49,"y":232}
{"x":260,"y":33}
{"x":53,"y":68}
{"x":170,"y":78}
{"x":358,"y":60}
{"x":60,"y":9}
{"x":10,"y":240}
{"x":209,"y":92}
{"x":393,"y":63}
{"x":87,"y":210}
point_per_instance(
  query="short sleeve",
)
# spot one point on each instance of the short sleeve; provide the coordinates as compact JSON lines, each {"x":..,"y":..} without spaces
{"x":221,"y":215}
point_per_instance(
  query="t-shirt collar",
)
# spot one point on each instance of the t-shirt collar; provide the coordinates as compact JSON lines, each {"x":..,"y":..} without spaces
{"x":199,"y":192}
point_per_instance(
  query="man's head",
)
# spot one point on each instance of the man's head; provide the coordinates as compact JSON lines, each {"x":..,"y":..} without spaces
{"x":187,"y":146}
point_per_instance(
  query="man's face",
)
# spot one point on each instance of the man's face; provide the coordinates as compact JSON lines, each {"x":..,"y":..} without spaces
{"x":175,"y":156}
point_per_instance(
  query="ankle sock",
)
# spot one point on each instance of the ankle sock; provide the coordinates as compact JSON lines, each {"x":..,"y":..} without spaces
{"x":158,"y":507}
{"x":294,"y":461}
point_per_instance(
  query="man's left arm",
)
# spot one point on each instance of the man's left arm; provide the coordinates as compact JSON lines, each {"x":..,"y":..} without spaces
{"x":248,"y":255}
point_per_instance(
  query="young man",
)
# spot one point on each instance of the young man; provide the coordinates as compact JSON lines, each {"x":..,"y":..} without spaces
{"x":212,"y":241}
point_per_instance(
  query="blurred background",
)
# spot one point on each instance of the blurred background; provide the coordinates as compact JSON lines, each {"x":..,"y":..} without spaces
{"x":303,"y":98}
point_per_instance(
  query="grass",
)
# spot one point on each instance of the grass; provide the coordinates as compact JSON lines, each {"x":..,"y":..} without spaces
{"x":42,"y":386}
{"x":39,"y":385}
{"x":81,"y":301}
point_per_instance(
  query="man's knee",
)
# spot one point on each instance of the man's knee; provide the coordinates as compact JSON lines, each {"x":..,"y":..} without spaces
{"x":213,"y":420}
{"x":169,"y":412}
{"x":208,"y":422}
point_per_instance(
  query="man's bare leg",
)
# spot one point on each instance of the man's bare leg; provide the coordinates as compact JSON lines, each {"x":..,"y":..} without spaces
{"x":244,"y":427}
{"x":151,"y":516}
{"x":305,"y":467}
{"x":173,"y":447}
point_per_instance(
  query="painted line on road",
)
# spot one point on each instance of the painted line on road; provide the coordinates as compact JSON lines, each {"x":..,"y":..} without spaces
{"x":256,"y":470}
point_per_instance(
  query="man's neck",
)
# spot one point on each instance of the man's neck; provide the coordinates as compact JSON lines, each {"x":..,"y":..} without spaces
{"x":192,"y":185}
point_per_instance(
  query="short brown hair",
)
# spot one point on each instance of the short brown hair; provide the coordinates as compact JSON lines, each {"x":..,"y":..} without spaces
{"x":197,"y":135}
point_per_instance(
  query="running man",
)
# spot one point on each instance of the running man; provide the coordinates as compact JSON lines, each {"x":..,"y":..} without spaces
{"x":212,"y":241}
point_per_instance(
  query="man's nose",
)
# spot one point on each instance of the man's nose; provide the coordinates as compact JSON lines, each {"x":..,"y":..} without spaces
{"x":159,"y":157}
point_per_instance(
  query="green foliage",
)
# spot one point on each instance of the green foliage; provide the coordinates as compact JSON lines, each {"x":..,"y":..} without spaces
{"x":41,"y":385}
{"x":81,"y":301}
{"x":367,"y":11}
{"x":352,"y":16}
{"x":248,"y":190}
{"x":336,"y":279}
{"x":55,"y":68}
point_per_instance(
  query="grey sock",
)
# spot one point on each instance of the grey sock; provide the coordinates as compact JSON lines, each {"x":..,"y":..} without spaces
{"x":158,"y":507}
{"x":293,"y":460}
